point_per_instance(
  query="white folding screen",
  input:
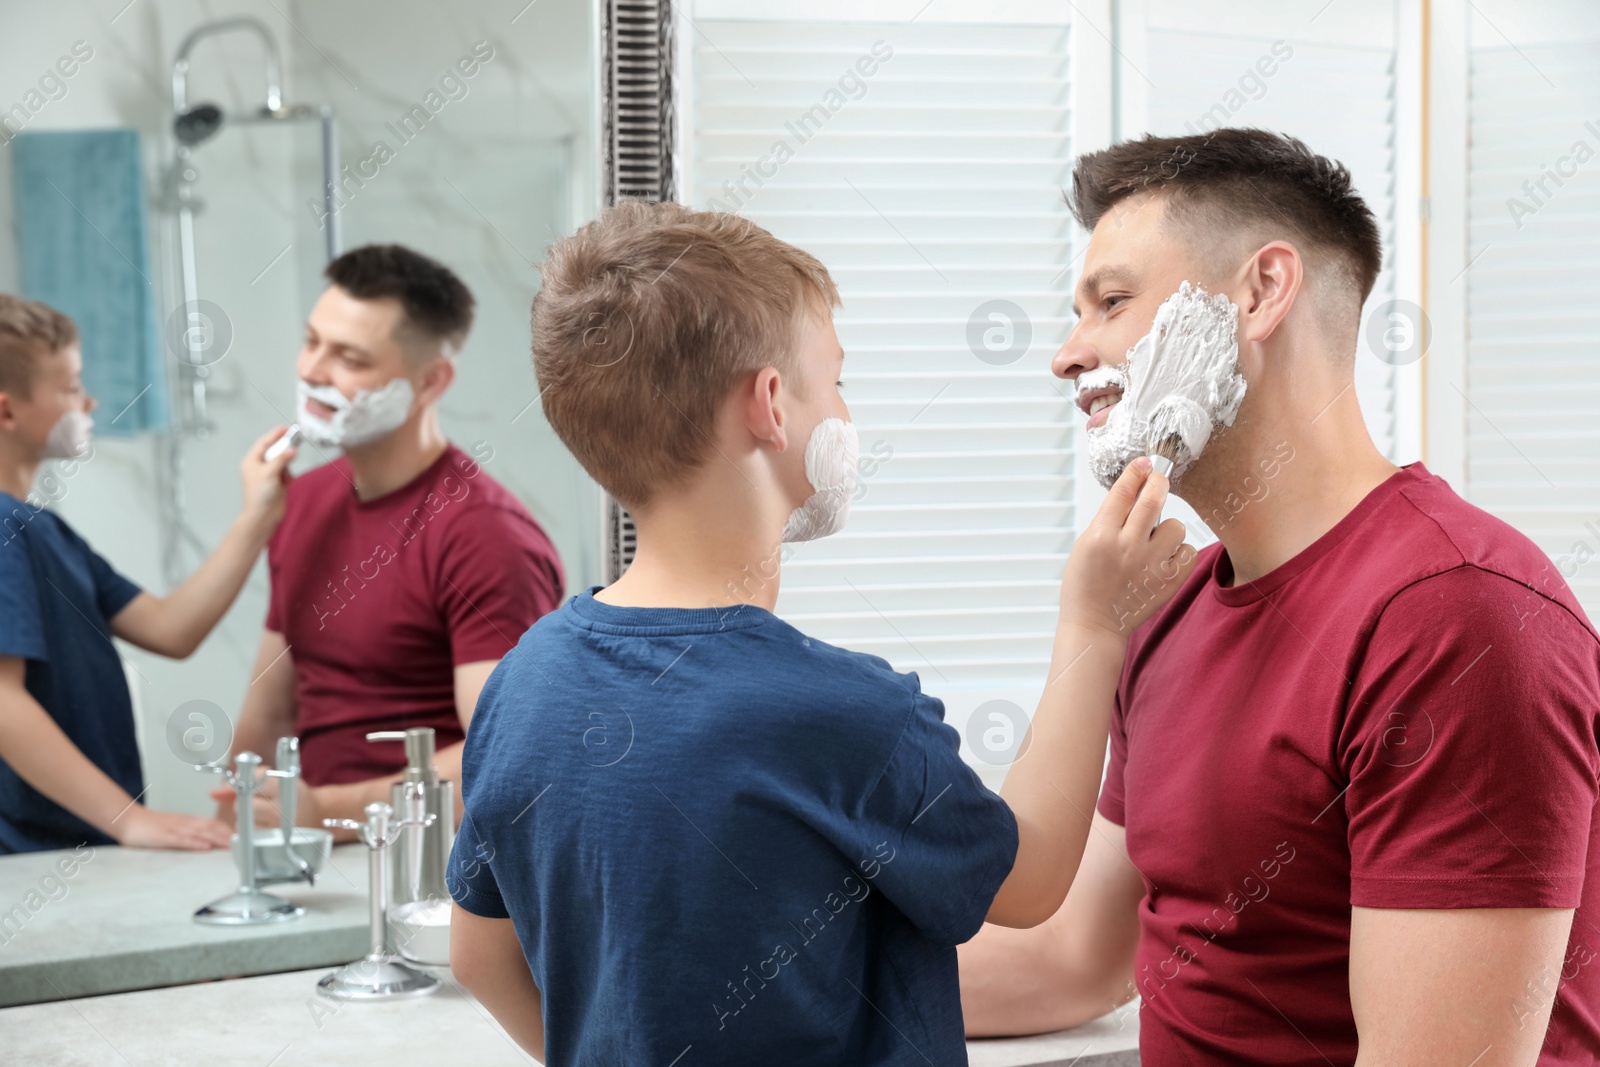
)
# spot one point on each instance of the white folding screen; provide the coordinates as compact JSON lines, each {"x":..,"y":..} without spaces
{"x":1530,"y":402}
{"x":1330,"y":81}
{"x":923,"y":162}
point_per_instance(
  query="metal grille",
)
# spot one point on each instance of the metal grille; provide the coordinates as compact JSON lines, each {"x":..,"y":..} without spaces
{"x":636,"y":80}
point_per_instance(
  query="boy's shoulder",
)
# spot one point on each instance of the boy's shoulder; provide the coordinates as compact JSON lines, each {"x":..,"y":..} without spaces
{"x":741,"y":652}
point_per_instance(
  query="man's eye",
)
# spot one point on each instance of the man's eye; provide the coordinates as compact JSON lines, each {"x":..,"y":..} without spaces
{"x":838,"y":385}
{"x":1113,"y":301}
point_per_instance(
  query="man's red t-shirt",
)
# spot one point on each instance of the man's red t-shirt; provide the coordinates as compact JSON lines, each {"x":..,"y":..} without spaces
{"x":1401,"y":716}
{"x":379,"y":600}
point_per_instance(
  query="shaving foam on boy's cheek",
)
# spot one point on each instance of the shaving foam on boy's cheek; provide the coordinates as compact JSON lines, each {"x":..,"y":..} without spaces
{"x":832,"y":453}
{"x":1183,"y":382}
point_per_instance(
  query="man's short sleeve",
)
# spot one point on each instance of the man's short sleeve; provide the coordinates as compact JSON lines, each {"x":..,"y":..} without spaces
{"x":499,"y":575}
{"x":1470,"y":749}
{"x":470,"y":873}
{"x":21,"y":622}
{"x":1113,"y":803}
{"x":940,"y":843}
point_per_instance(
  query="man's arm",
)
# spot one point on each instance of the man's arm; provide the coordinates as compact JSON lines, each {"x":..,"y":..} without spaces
{"x":174,"y":625}
{"x":34,"y":746}
{"x":1470,"y":985}
{"x":267,"y":714}
{"x":1076,"y":966}
{"x":487,"y":960}
{"x":1052,"y":786}
{"x":350,"y":799}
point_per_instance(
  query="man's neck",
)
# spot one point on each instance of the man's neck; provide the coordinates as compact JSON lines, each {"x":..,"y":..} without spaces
{"x":396,"y":460}
{"x":1278,"y":489}
{"x":17,"y":473}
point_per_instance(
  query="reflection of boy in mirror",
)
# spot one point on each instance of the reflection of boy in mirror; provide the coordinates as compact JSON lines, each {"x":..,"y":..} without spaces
{"x":402,"y":572}
{"x":69,"y":765}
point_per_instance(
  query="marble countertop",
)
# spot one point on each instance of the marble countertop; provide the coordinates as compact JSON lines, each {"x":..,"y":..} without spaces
{"x":123,"y":920}
{"x":280,"y":1021}
{"x":122,"y":925}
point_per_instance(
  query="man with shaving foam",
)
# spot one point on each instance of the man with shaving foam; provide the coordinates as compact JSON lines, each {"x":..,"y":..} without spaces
{"x":402,"y":572}
{"x":1350,"y":803}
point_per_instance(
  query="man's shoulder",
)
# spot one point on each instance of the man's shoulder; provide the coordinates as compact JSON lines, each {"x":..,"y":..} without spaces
{"x":1459,"y":550}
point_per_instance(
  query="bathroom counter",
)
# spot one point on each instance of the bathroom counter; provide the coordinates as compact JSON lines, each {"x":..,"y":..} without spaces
{"x":122,"y":920}
{"x":281,"y":1020}
{"x":120,"y":923}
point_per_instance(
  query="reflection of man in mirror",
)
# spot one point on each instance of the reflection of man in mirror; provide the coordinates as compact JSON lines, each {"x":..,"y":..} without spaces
{"x":402,"y":571}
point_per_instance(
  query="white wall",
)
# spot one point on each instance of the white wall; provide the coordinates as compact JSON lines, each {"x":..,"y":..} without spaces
{"x":489,"y":181}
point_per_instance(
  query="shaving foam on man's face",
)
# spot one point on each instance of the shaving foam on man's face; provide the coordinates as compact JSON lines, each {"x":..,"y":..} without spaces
{"x":357,"y":420}
{"x":1181,"y":380}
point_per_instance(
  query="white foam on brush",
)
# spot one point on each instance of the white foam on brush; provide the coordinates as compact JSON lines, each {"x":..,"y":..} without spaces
{"x":1183,"y":379}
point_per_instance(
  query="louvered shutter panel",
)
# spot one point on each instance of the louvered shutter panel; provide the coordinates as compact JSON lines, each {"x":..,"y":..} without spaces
{"x":935,"y":192}
{"x":1533,"y":295}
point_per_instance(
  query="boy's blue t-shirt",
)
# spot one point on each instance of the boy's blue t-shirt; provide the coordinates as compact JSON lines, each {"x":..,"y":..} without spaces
{"x":719,"y":839}
{"x":57,"y":597}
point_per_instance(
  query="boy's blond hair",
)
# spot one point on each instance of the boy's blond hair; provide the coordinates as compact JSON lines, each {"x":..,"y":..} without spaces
{"x":29,"y":331}
{"x":646,"y":320}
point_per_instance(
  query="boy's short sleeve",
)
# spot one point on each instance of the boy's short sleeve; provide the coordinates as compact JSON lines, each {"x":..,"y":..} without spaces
{"x":470,"y":874}
{"x":112,"y":591}
{"x":1470,"y":747}
{"x":941,"y":843}
{"x":21,"y":623}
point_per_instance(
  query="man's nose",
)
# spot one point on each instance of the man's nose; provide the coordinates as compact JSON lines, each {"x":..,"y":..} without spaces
{"x":1074,"y":357}
{"x":89,"y":404}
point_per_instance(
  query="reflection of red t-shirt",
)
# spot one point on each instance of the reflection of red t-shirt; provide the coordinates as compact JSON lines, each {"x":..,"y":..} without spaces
{"x":380,"y":599}
{"x":1401,"y":716}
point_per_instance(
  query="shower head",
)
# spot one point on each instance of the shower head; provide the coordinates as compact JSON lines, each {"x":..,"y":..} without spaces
{"x":180,"y":65}
{"x":197,"y":124}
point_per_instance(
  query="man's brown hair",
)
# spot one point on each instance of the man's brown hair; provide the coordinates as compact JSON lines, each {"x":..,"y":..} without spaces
{"x":29,"y":331}
{"x":646,"y":320}
{"x":1244,"y":181}
{"x":437,"y":305}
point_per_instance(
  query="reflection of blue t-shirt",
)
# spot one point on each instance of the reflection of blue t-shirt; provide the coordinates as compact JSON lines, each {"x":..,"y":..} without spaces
{"x":57,"y":598}
{"x":713,"y":833}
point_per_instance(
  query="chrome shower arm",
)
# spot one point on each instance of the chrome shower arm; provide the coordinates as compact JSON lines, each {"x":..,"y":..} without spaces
{"x":180,"y":65}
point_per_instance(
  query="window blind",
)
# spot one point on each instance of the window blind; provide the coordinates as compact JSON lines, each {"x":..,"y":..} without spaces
{"x":932,"y":188}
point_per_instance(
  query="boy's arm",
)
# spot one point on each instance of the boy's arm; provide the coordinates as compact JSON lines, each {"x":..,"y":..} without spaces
{"x":1051,"y":790}
{"x":34,"y":746}
{"x":1074,"y":967}
{"x":487,"y":960}
{"x":174,"y":625}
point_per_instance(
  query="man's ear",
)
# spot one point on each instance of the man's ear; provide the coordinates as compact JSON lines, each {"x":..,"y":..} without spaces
{"x":8,"y":413}
{"x":1273,"y":277}
{"x":764,"y":416}
{"x":437,"y":378}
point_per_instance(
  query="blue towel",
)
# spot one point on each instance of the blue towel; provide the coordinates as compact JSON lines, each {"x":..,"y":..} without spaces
{"x":82,"y":238}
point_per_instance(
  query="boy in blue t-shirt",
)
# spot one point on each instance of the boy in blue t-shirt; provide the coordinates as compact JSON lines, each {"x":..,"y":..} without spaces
{"x":69,"y":764}
{"x":691,"y":833}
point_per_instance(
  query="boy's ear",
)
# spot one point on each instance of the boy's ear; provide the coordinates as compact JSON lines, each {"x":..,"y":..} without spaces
{"x":764,"y":408}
